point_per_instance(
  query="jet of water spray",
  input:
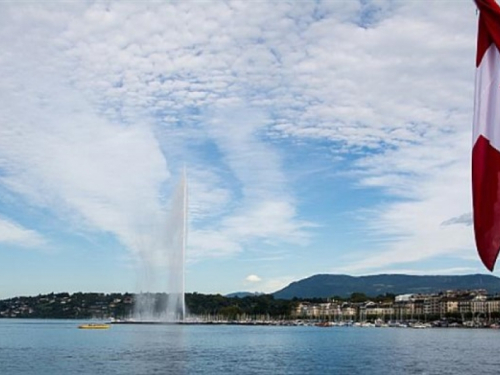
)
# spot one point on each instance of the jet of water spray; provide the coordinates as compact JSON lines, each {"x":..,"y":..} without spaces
{"x":174,"y":241}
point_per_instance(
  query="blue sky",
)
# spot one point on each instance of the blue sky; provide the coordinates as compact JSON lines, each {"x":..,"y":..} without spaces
{"x":318,"y":137}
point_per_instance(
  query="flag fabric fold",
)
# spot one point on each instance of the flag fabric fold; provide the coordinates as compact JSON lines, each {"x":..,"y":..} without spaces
{"x":486,"y":135}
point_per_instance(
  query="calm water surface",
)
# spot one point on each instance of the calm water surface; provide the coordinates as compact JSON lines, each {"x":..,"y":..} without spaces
{"x":58,"y":347}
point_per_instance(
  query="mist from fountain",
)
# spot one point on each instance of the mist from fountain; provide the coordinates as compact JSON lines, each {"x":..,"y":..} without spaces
{"x":169,"y":307}
{"x":176,"y":245}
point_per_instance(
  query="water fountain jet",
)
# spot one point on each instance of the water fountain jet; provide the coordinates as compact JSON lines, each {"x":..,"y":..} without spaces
{"x":150,"y":306}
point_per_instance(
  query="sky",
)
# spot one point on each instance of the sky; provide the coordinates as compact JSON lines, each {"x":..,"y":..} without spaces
{"x":317,"y":137}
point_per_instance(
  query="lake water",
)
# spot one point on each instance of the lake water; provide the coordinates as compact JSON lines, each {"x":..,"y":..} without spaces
{"x":58,"y":347}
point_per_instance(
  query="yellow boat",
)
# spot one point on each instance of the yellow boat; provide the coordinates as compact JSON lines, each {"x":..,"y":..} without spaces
{"x":94,"y":326}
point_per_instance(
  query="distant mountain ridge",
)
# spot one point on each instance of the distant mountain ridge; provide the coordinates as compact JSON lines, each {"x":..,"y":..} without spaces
{"x":243,"y":294}
{"x":325,"y":285}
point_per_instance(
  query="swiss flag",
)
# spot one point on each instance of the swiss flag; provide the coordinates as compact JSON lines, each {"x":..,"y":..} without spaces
{"x":486,"y":133}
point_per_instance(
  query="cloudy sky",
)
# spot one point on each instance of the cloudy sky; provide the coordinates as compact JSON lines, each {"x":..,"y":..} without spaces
{"x":318,"y":137}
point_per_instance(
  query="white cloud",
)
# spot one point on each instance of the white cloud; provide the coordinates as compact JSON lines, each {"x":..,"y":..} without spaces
{"x":253,"y":279}
{"x":14,"y":234}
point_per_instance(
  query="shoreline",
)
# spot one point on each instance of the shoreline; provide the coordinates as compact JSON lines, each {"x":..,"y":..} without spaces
{"x":310,"y":323}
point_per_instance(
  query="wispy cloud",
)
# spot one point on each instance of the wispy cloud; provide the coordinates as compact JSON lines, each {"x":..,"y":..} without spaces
{"x":462,"y":219}
{"x":14,"y":234}
{"x":431,"y":185}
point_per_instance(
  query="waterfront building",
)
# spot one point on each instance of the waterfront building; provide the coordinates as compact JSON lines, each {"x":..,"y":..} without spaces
{"x":450,"y":304}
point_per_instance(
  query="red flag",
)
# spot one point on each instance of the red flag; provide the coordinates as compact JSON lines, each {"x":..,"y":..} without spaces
{"x":486,"y":133}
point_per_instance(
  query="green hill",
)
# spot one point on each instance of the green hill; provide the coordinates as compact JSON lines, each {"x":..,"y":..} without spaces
{"x":324,"y":286}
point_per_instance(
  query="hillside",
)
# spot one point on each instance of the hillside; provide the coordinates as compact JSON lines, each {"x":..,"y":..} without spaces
{"x":324,"y":286}
{"x":243,"y":294}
